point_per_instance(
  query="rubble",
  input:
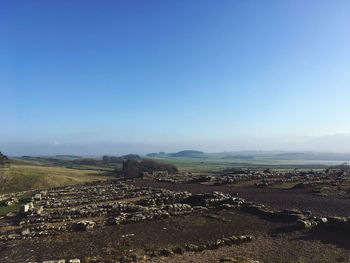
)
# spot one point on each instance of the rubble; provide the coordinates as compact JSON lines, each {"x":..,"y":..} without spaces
{"x":94,"y":205}
{"x":228,"y":241}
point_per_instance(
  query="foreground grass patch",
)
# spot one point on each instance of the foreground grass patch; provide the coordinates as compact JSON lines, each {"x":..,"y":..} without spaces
{"x":23,"y":199}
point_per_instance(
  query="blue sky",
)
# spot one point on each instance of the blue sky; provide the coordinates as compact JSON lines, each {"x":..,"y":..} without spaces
{"x":137,"y":76}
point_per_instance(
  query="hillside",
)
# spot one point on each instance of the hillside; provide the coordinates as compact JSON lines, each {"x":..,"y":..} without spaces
{"x":22,"y":177}
{"x":187,"y":154}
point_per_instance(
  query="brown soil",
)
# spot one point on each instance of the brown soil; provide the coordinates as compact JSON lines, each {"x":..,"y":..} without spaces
{"x":279,"y":199}
{"x":273,"y":241}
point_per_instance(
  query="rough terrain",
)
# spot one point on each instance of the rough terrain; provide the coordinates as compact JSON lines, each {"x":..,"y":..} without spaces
{"x":246,"y":216}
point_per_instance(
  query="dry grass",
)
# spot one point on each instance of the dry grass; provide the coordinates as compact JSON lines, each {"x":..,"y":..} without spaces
{"x":31,"y":177}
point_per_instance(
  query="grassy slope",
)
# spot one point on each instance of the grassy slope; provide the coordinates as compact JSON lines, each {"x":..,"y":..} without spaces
{"x":30,"y":177}
{"x":61,"y":162}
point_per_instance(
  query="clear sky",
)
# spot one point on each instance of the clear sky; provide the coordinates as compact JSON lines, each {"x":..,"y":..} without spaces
{"x":94,"y":77}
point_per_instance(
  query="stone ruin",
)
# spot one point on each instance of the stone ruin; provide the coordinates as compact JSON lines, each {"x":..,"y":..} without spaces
{"x":114,"y":202}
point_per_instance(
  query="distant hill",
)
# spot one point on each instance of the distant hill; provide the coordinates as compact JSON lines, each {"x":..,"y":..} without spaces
{"x":188,"y":154}
{"x":68,"y":156}
{"x":157,"y":154}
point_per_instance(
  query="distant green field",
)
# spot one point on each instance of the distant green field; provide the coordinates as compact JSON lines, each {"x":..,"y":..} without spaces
{"x":196,"y":161}
{"x":219,"y":164}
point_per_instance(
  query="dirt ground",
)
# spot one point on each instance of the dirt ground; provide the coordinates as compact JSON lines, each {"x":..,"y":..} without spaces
{"x":272,"y":242}
{"x":278,"y":199}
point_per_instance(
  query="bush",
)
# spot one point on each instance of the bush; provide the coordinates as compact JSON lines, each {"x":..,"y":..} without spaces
{"x":87,"y":161}
{"x":111,"y":159}
{"x":3,"y":159}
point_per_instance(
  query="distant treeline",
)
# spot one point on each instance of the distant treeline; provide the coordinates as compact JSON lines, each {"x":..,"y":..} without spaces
{"x":156,"y":154}
{"x":135,"y":168}
{"x":72,"y":162}
{"x":106,"y":160}
{"x":68,"y":156}
{"x":184,"y":154}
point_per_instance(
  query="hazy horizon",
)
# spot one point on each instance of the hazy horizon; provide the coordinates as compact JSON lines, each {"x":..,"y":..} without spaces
{"x":121,"y":77}
{"x":325,"y":144}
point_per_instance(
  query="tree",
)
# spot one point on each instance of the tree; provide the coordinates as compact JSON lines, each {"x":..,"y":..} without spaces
{"x":134,"y":168}
{"x":3,"y":159}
